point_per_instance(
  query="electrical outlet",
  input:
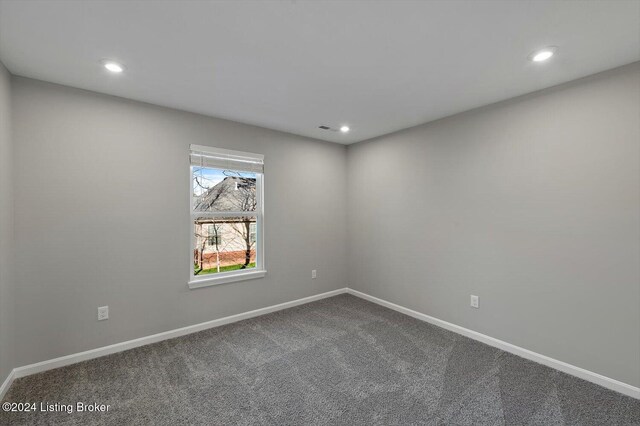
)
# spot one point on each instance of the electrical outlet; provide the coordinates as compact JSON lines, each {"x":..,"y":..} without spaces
{"x":103,"y":313}
{"x":314,"y":274}
{"x":475,"y":301}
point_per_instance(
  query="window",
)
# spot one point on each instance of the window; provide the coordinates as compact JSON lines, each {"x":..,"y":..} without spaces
{"x":214,"y":235}
{"x":214,"y":240}
{"x":252,"y":233}
{"x":226,"y":216}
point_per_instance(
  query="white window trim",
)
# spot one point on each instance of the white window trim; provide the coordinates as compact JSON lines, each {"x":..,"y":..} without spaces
{"x":228,"y":277}
{"x":232,"y":276}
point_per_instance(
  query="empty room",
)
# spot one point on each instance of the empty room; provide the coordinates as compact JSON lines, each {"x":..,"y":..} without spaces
{"x":320,"y":212}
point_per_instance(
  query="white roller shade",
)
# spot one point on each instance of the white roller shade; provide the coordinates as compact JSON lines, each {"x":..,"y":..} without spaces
{"x":217,"y":158}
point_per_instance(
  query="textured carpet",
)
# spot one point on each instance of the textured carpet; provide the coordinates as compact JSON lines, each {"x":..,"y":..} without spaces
{"x":340,"y":361}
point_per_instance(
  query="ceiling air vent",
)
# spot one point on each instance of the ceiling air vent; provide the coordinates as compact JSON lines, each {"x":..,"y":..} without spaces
{"x":324,"y":127}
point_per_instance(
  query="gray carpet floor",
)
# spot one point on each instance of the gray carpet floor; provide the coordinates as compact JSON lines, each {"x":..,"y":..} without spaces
{"x":340,"y":361}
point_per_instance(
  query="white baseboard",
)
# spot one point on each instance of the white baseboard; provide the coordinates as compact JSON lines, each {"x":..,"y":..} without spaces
{"x":581,"y":373}
{"x":39,"y":367}
{"x":590,"y":376}
{"x":6,"y":384}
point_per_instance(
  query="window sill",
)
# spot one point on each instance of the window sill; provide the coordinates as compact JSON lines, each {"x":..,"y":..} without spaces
{"x":224,"y":279}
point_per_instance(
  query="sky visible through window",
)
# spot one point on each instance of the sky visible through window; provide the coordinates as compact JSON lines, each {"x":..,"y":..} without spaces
{"x":205,"y":178}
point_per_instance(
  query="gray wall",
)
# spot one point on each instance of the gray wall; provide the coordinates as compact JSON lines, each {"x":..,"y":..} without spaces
{"x":102,"y":218}
{"x":531,"y":204}
{"x":7,"y":281}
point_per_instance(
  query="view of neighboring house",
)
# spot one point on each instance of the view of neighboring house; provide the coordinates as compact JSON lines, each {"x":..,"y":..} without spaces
{"x":228,"y":242}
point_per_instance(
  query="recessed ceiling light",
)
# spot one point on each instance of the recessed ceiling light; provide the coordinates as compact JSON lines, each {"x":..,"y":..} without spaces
{"x":344,"y":129}
{"x":114,"y":67}
{"x":543,"y":54}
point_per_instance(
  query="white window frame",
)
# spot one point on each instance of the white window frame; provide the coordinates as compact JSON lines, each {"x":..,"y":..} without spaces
{"x":238,"y":275}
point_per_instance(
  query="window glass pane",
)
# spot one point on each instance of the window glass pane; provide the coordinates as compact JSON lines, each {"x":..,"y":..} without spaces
{"x":223,"y":244}
{"x":217,"y":190}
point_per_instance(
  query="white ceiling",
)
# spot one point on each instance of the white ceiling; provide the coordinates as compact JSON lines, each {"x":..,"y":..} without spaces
{"x":378,"y":66}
